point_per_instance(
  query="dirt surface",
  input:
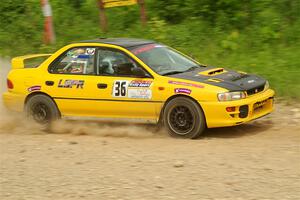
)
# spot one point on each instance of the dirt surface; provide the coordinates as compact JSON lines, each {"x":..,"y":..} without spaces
{"x":85,"y":160}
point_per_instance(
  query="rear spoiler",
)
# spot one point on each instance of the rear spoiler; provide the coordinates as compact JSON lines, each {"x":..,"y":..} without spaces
{"x":28,"y":61}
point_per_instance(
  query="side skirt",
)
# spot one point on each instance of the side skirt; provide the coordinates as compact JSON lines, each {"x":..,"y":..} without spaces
{"x":111,"y":120}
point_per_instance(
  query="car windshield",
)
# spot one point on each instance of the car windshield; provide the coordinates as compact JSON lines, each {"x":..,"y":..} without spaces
{"x":163,"y":60}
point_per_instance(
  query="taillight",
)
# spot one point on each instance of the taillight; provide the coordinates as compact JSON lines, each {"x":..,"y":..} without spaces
{"x":10,"y":84}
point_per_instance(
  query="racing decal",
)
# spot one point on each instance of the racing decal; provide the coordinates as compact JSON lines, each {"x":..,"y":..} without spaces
{"x":70,"y":83}
{"x":136,"y":89}
{"x":81,"y":53}
{"x":143,"y":49}
{"x":260,"y":104}
{"x":140,"y":93}
{"x":182,"y":91}
{"x":82,"y":56}
{"x":34,"y":88}
{"x":71,"y":54}
{"x":90,"y":51}
{"x":146,"y":48}
{"x":140,"y":83}
{"x":186,"y":84}
{"x":120,"y":88}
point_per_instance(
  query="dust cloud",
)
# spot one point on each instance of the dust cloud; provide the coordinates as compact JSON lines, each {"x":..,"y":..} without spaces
{"x":107,"y":129}
{"x":16,"y":123}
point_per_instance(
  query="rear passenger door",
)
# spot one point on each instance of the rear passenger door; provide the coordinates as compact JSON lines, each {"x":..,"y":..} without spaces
{"x":72,"y":81}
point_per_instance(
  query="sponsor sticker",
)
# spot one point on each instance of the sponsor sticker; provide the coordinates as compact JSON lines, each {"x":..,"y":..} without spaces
{"x":182,"y":91}
{"x":140,"y":83}
{"x":260,"y":104}
{"x":140,"y":93}
{"x":70,"y":83}
{"x":34,"y":88}
{"x":186,"y":84}
{"x":90,"y":51}
{"x":82,"y":56}
{"x":145,"y":48}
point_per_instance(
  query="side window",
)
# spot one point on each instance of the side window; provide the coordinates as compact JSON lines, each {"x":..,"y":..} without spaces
{"x":116,"y":63}
{"x":79,"y":60}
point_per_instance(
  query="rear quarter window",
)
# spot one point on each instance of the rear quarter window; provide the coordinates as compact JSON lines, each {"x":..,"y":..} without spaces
{"x":77,"y":60}
{"x":34,"y":62}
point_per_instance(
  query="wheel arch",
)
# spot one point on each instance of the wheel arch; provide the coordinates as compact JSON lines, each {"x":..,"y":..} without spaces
{"x":40,"y":93}
{"x":176,"y":96}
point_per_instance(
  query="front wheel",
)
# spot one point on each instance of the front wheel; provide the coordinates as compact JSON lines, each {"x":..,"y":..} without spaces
{"x":41,"y":109}
{"x":184,"y":118}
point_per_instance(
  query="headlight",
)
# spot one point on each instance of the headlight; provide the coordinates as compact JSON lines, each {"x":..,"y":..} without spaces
{"x":231,"y":96}
{"x":267,"y":85}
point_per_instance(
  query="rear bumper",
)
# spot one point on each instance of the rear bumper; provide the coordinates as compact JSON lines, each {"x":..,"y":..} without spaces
{"x":13,"y":101}
{"x":246,"y":110}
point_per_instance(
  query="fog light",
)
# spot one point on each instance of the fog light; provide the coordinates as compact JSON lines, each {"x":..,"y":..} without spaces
{"x":230,"y":109}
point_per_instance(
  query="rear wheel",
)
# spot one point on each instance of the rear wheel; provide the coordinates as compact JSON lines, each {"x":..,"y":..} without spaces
{"x":41,"y":109}
{"x":184,"y":118}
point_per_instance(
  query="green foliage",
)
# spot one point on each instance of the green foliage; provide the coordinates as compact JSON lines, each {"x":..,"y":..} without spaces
{"x":257,"y":36}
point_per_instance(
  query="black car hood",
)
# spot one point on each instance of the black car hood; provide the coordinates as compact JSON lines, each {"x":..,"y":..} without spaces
{"x":228,"y":79}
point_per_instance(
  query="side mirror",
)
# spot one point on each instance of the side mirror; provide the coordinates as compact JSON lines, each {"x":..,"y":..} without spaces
{"x":139,"y":72}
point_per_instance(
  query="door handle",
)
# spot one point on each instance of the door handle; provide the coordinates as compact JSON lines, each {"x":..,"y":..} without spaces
{"x":102,"y":85}
{"x":49,"y":83}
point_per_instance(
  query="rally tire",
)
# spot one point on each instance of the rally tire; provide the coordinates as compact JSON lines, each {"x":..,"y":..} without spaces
{"x":42,"y":109}
{"x":184,"y":118}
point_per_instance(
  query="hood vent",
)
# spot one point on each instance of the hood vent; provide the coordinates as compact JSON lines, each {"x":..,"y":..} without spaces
{"x":213,"y":72}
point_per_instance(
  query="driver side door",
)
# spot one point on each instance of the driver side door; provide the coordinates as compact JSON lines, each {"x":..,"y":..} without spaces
{"x":125,"y":89}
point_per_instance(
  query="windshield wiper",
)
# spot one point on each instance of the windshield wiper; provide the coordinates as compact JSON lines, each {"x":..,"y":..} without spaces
{"x":172,"y":72}
{"x":178,"y":72}
{"x":192,"y":68}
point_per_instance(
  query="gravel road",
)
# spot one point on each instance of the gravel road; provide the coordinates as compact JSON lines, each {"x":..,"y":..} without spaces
{"x":91,"y":161}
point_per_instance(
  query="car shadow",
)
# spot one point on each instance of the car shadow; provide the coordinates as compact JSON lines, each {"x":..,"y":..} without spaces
{"x":239,"y":131}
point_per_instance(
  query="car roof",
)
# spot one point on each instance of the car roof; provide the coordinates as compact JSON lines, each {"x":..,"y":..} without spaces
{"x":127,"y":43}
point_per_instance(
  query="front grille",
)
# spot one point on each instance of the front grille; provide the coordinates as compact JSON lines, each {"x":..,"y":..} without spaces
{"x":255,"y":90}
{"x":258,"y":106}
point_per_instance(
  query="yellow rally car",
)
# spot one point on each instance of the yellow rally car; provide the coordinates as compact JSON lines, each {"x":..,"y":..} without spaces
{"x":134,"y":79}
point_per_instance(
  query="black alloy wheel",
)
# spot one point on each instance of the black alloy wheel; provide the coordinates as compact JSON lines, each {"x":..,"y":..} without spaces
{"x":184,"y":118}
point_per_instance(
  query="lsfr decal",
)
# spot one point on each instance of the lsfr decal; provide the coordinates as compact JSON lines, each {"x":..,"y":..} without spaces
{"x":70,"y":83}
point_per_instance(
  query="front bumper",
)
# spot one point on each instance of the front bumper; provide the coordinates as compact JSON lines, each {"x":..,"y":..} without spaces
{"x":248,"y":109}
